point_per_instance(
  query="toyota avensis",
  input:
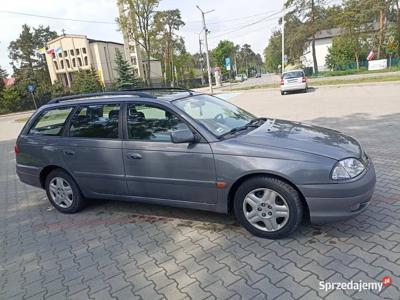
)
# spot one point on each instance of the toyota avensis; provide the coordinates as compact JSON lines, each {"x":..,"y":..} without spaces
{"x":186,"y":149}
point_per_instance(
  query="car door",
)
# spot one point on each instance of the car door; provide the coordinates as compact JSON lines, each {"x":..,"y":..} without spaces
{"x":159,"y":169}
{"x":94,"y":150}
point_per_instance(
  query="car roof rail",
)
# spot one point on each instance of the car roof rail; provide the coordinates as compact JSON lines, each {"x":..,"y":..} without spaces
{"x":161,"y":89}
{"x":138,"y":93}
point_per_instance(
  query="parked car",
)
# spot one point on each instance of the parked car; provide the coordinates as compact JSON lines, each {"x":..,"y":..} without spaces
{"x":186,"y":149}
{"x":258,"y":75}
{"x":244,"y":76}
{"x":239,"y":77}
{"x":293,"y":81}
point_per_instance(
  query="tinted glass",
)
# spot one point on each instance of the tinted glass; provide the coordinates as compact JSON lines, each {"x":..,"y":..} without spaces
{"x":296,"y":74}
{"x":96,"y":121}
{"x":51,"y":122}
{"x":217,"y":115}
{"x":150,"y":123}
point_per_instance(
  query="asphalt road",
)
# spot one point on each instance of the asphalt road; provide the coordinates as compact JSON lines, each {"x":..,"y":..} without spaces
{"x":117,"y":250}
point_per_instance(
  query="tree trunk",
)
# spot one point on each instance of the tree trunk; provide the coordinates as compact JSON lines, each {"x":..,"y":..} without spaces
{"x":148,"y":69}
{"x":314,"y":55}
{"x":381,"y":31}
{"x":357,"y":61}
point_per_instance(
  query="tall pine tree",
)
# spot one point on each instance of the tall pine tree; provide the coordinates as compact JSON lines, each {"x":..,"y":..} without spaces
{"x":126,"y":78}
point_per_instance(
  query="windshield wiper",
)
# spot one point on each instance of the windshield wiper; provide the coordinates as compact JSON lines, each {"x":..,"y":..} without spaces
{"x":253,"y":123}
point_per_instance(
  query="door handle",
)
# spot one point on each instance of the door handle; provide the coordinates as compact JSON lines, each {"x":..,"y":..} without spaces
{"x":131,"y":155}
{"x":69,"y":152}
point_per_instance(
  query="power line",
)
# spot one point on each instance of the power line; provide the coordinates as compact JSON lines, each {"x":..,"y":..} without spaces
{"x":56,"y":18}
{"x":270,"y":17}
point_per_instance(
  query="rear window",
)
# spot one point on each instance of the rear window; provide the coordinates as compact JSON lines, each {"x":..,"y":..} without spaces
{"x":51,"y":122}
{"x":295,"y":74}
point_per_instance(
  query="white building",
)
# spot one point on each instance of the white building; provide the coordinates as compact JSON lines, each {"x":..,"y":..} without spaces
{"x":323,"y":41}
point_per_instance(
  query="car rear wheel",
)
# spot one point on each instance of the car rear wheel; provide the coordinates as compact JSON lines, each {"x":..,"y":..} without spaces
{"x":62,"y":192}
{"x":282,"y":93}
{"x":268,"y":207}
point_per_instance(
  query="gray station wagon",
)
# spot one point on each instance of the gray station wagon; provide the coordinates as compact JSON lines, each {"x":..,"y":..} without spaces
{"x":186,"y":149}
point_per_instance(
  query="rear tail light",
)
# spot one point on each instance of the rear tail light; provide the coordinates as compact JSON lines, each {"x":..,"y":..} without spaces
{"x":282,"y":81}
{"x":16,"y":149}
{"x":304,"y":79}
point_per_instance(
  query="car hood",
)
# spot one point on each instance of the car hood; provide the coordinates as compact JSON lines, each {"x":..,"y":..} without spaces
{"x":303,"y":137}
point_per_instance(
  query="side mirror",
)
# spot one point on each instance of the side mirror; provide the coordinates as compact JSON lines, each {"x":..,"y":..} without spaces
{"x":184,"y":135}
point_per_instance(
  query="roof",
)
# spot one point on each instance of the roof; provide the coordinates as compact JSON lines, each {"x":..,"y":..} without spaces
{"x":334,"y":32}
{"x":9,"y":81}
{"x":101,"y":41}
{"x":60,"y":37}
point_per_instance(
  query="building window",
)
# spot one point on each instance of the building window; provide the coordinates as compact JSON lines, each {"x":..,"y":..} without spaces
{"x":71,"y":52}
{"x":77,"y":51}
{"x":86,"y":61}
{"x":68,"y":65}
{"x":53,"y":55}
{"x":62,"y":64}
{"x":84,"y":50}
{"x":73,"y":62}
{"x":80,"y":61}
{"x":65,"y":53}
{"x":134,"y":61}
{"x":55,"y":65}
{"x":59,"y":54}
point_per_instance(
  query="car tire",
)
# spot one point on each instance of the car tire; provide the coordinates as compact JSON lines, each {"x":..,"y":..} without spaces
{"x":282,"y":93}
{"x":285,"y":195}
{"x":305,"y":90}
{"x":63,"y":192}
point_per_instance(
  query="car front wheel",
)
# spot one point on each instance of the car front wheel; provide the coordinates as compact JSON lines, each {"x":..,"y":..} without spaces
{"x":268,"y":207}
{"x":63,"y":192}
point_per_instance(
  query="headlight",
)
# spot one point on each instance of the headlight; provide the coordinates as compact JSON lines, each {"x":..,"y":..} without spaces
{"x":347,"y":168}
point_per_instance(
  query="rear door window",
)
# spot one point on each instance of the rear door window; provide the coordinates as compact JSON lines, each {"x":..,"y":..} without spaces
{"x":51,"y":122}
{"x":95,"y":121}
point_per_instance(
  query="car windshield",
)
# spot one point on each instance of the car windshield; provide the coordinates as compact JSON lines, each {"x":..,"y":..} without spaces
{"x":219,"y":116}
{"x":296,"y":74}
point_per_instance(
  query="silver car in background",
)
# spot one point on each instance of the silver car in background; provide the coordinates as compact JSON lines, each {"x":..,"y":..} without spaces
{"x":293,"y":81}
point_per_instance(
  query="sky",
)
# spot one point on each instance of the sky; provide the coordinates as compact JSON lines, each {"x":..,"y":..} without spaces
{"x":231,"y":20}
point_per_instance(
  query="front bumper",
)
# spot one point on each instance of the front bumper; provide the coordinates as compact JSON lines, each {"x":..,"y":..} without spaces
{"x":339,"y":201}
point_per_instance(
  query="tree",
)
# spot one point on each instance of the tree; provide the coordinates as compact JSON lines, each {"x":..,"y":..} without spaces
{"x":10,"y":100}
{"x":340,"y":53}
{"x":223,"y":50}
{"x":307,"y":10}
{"x":139,"y":24}
{"x":86,"y":81}
{"x":166,"y":23}
{"x":356,"y":23}
{"x":126,"y":78}
{"x":272,"y":53}
{"x":29,"y":65}
{"x":3,"y":76}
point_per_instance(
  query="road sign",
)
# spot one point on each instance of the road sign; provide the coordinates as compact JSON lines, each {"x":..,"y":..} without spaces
{"x":285,"y":58}
{"x":31,"y":88}
{"x":228,"y":63}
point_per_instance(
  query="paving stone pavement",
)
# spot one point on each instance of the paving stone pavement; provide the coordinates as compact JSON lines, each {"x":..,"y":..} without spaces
{"x":117,"y":250}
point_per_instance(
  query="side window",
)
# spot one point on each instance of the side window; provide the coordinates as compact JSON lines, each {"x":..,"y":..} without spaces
{"x":51,"y":122}
{"x":150,"y":123}
{"x":95,"y":121}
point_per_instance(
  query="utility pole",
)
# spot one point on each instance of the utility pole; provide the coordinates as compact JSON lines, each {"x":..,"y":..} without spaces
{"x":201,"y":61}
{"x":283,"y":37}
{"x":206,"y":44}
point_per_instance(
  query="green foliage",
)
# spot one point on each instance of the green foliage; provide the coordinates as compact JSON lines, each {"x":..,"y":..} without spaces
{"x":126,"y":78}
{"x":10,"y":100}
{"x":58,"y":90}
{"x":86,"y":82}
{"x":273,"y":52}
{"x":341,"y":53}
{"x":3,"y":76}
{"x":224,"y":49}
